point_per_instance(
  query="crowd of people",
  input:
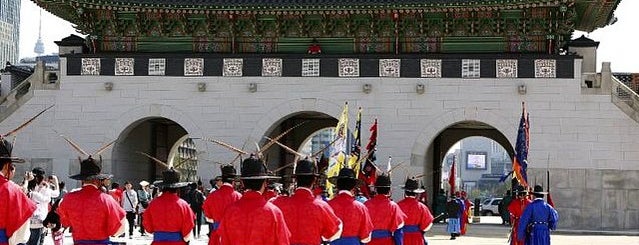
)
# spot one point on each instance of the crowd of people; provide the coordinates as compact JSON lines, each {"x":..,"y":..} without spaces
{"x":242,"y":209}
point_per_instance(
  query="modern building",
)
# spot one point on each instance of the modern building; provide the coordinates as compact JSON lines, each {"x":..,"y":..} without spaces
{"x":431,"y":72}
{"x":9,"y":31}
{"x":480,"y":162}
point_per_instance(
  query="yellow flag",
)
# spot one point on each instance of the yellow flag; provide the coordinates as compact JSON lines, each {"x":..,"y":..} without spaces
{"x":338,"y":152}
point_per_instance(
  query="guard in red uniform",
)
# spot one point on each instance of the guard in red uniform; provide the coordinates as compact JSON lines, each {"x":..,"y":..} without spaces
{"x":516,"y":209}
{"x":168,"y":217}
{"x":217,"y":202}
{"x":354,"y":215}
{"x":93,"y":215}
{"x":308,"y":218}
{"x":15,"y":207}
{"x":253,"y":220}
{"x":465,"y":212}
{"x":418,"y":217}
{"x":386,"y":216}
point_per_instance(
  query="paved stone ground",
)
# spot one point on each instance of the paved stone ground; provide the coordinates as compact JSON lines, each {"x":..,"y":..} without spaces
{"x":479,"y":234}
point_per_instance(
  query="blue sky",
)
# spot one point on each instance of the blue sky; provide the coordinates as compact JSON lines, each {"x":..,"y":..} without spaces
{"x":617,"y":41}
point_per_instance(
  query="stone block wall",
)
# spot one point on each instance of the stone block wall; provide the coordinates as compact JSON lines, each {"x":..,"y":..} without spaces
{"x":593,"y":199}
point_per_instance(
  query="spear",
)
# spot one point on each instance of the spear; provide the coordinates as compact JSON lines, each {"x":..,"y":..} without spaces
{"x":550,"y":202}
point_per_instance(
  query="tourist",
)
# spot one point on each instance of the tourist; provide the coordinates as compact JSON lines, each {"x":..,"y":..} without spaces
{"x":453,"y":208}
{"x":130,"y":204}
{"x":42,"y":193}
{"x":144,"y":196}
{"x":195,"y":199}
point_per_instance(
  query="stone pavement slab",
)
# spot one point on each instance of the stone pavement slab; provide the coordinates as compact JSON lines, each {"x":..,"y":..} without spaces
{"x":477,"y":235}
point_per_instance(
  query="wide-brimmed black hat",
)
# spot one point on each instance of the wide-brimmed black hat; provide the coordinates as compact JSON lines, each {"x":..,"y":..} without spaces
{"x":171,"y":179}
{"x":306,"y":167}
{"x":5,"y":152}
{"x":228,"y":171}
{"x":254,"y":168}
{"x":413,"y":186}
{"x":383,"y":181}
{"x":519,"y":190}
{"x":90,"y":169}
{"x":539,"y":190}
{"x":344,"y":173}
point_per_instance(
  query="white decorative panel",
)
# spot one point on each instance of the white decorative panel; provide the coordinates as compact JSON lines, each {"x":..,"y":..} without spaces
{"x":310,"y":67}
{"x":431,"y":68}
{"x":471,"y":68}
{"x":90,"y":66}
{"x":157,"y":67}
{"x":272,"y":67}
{"x":349,"y":67}
{"x":124,"y":66}
{"x":389,"y":67}
{"x":506,"y":68}
{"x":193,"y":67}
{"x":545,"y":68}
{"x":232,"y":67}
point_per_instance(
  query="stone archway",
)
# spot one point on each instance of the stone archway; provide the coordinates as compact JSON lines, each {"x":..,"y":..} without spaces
{"x":155,"y":136}
{"x":446,"y":129}
{"x":154,"y":129}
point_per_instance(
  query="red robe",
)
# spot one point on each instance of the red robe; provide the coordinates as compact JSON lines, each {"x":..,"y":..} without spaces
{"x":15,"y":208}
{"x":516,"y":208}
{"x":309,"y":219}
{"x":385,"y":216}
{"x":465,"y":214}
{"x":354,"y":215}
{"x":269,"y":195}
{"x":253,"y":220}
{"x":169,"y":213}
{"x":418,"y":217}
{"x":93,"y":215}
{"x":117,"y":194}
{"x":215,"y":205}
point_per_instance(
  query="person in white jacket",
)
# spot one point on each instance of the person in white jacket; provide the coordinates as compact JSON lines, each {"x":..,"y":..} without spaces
{"x":41,"y":192}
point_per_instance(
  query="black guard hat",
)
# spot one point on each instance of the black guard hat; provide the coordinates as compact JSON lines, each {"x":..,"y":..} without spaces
{"x":254,"y":168}
{"x":90,"y":169}
{"x":306,"y":167}
{"x":383,"y":181}
{"x":228,"y":171}
{"x":413,"y":186}
{"x":5,"y":152}
{"x":345,"y":173}
{"x":171,"y":179}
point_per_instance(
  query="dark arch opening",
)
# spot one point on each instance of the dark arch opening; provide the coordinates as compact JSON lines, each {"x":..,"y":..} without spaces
{"x":446,"y":139}
{"x":158,"y":137}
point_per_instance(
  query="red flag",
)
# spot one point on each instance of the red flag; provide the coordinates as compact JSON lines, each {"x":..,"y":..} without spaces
{"x":452,"y":177}
{"x":368,"y":172}
{"x":550,"y":202}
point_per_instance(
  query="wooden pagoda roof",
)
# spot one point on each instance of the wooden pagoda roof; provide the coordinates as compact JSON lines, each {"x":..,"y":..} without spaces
{"x":591,"y":14}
